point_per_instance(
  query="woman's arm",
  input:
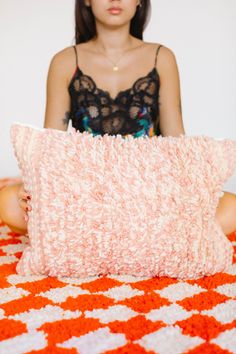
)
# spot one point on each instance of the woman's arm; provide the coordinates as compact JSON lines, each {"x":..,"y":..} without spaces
{"x":171,"y":122}
{"x":57,"y":97}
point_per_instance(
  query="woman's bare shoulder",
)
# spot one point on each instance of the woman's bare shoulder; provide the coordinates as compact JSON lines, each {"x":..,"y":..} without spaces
{"x":166,"y":56}
{"x":65,"y":56}
{"x":167,"y":51}
{"x":65,"y":61}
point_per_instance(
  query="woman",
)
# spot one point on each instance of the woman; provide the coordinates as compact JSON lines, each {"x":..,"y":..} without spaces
{"x":111,"y":82}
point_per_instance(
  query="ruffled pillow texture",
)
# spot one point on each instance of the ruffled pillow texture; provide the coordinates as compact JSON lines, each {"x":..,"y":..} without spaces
{"x":108,"y":205}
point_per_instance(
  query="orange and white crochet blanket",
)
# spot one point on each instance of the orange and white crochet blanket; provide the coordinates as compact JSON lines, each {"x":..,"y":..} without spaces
{"x":112,"y":314}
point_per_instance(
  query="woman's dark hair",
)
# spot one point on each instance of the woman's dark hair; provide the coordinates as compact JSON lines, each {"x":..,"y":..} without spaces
{"x":85,"y":27}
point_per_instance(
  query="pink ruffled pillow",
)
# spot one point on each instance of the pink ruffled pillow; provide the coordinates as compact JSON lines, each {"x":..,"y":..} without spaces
{"x":109,"y":204}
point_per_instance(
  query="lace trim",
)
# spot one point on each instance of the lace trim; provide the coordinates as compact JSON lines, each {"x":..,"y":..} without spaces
{"x":134,"y":110}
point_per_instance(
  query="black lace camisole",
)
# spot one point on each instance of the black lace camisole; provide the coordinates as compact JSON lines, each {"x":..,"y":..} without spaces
{"x":133,"y":111}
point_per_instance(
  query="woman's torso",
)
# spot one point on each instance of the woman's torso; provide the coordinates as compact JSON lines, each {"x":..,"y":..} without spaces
{"x":133,"y":110}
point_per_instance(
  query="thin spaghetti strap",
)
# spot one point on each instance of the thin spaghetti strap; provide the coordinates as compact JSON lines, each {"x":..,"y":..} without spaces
{"x":157,"y":53}
{"x":76,"y":55}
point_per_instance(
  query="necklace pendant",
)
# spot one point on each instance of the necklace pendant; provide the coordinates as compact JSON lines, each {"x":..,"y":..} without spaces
{"x":115,"y":68}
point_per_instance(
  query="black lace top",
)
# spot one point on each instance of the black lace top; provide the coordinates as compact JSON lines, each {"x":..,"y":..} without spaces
{"x":133,"y":111}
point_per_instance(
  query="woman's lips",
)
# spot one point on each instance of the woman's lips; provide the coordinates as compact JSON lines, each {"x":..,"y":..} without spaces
{"x":114,"y":10}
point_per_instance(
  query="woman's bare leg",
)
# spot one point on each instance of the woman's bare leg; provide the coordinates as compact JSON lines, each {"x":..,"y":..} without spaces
{"x":226,"y":212}
{"x":10,"y":212}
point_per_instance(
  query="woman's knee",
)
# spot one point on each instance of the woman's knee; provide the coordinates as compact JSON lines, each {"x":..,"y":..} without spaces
{"x":226,"y":212}
{"x":10,"y":211}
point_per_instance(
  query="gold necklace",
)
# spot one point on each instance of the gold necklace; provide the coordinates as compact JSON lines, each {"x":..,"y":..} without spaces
{"x":115,"y":66}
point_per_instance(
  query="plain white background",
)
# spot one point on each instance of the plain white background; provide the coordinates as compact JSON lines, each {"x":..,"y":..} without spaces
{"x":201,"y":34}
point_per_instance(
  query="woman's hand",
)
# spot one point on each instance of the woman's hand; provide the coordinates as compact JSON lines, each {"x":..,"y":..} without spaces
{"x":23,"y":198}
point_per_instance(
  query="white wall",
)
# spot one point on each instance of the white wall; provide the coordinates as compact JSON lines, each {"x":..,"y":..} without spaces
{"x":199,"y":32}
